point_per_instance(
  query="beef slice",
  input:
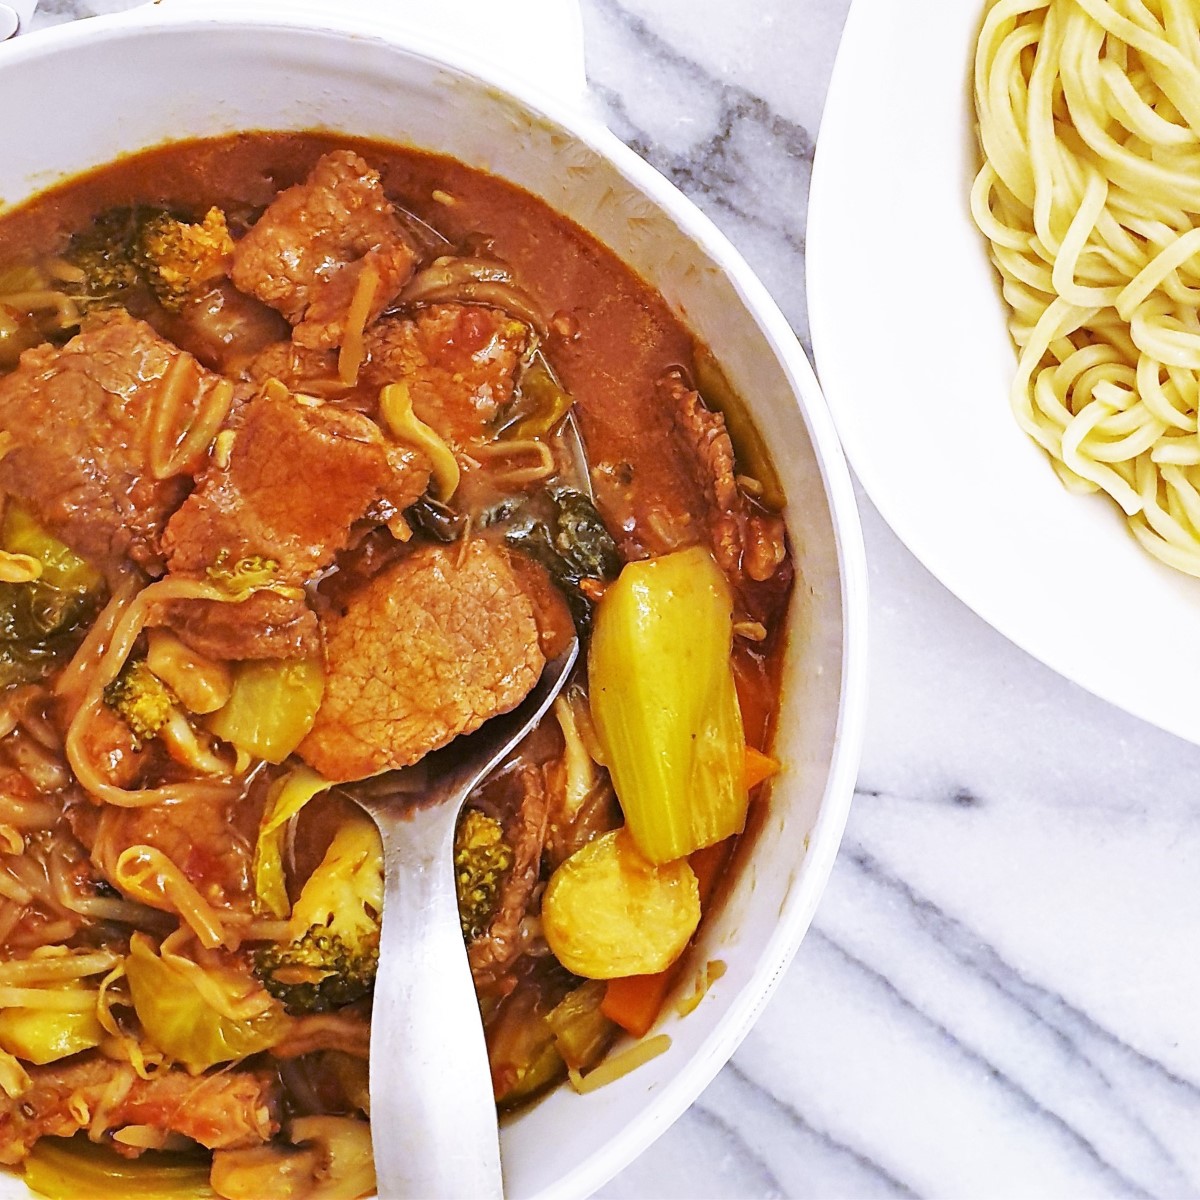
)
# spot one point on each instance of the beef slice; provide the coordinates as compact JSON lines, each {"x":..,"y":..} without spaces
{"x":459,"y":362}
{"x":427,"y":650}
{"x":305,"y":254}
{"x":297,"y":477}
{"x":77,"y":419}
{"x":228,"y":1110}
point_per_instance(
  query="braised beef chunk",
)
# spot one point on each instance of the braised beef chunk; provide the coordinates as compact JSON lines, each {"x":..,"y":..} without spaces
{"x":222,"y":327}
{"x":225,"y":1111}
{"x":198,"y":836}
{"x":298,"y":476}
{"x":306,"y":253}
{"x":709,"y":453}
{"x":744,"y":542}
{"x":459,"y":362}
{"x":524,"y":809}
{"x":78,"y":419}
{"x":427,"y":650}
{"x":748,"y":542}
{"x":298,"y":368}
{"x":264,"y":625}
{"x":294,"y":479}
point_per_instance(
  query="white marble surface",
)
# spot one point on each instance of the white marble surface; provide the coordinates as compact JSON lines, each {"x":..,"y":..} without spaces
{"x":1000,"y":994}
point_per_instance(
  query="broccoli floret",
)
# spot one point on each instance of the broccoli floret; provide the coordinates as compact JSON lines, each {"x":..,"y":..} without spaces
{"x":482,"y":858}
{"x":330,"y":952}
{"x":127,"y":249}
{"x":106,"y":253}
{"x":181,"y":259}
{"x":141,"y":699}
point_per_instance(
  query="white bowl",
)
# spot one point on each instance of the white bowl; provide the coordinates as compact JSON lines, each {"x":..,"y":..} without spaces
{"x":186,"y":70}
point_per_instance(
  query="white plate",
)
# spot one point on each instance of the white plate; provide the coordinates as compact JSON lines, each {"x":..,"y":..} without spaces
{"x":909,"y":335}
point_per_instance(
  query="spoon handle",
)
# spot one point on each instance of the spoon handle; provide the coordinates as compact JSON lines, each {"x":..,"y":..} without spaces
{"x":433,"y":1122}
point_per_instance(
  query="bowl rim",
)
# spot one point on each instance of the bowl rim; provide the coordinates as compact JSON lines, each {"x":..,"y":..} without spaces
{"x":574,"y":119}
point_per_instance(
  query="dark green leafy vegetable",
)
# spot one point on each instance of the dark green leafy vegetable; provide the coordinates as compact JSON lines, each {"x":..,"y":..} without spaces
{"x":534,"y":539}
{"x":582,"y":538}
{"x":39,"y":620}
{"x":573,"y":545}
{"x":36,"y":627}
{"x":501,"y":513}
{"x":106,"y":253}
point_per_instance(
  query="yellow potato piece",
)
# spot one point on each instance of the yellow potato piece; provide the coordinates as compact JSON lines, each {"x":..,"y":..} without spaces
{"x":609,"y":912}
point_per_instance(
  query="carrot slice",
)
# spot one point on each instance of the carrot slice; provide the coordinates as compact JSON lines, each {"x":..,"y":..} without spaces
{"x":634,"y":1001}
{"x":759,"y":766}
{"x":707,"y":865}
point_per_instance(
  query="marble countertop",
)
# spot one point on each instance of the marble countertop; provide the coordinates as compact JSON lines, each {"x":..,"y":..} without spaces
{"x":998,"y":995}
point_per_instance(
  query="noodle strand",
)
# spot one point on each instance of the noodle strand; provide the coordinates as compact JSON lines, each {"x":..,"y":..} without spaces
{"x":1089,"y":194}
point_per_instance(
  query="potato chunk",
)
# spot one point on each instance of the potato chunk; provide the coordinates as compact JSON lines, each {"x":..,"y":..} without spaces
{"x":608,"y":912}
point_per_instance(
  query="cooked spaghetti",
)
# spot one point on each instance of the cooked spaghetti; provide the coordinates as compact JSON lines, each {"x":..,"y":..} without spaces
{"x":1089,"y":123}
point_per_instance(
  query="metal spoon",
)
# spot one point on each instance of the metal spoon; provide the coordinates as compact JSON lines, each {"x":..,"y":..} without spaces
{"x":433,"y":1118}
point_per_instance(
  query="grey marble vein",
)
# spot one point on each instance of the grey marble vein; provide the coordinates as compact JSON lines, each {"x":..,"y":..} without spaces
{"x":718,"y":140}
{"x":1096,"y":1062}
{"x":902,"y":1008}
{"x":872,"y":1178}
{"x":55,"y":12}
